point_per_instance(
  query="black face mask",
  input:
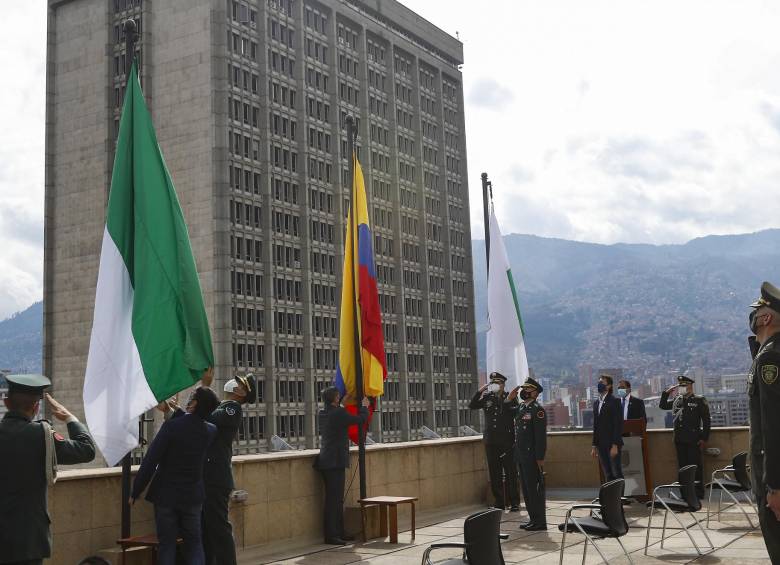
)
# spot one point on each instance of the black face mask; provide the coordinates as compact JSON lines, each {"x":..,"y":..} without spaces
{"x":525,"y":395}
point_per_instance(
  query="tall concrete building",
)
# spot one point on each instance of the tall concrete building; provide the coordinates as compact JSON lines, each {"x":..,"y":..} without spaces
{"x":249,"y":100}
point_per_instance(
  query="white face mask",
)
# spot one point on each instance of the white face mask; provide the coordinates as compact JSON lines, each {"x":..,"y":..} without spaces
{"x":493,"y":387}
{"x":683,"y":390}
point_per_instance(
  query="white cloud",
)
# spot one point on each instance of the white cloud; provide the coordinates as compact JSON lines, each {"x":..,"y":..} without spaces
{"x":22,"y":115}
{"x":630,"y":121}
{"x":606,"y":121}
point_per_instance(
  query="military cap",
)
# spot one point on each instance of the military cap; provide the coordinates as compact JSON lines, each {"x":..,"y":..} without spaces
{"x":497,"y":376}
{"x":532,"y":384}
{"x":683,"y":379}
{"x":770,"y":297}
{"x":27,"y":384}
{"x":248,"y":382}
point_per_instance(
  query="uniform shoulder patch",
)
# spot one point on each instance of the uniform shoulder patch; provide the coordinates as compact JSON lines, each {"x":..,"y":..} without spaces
{"x":540,"y":413}
{"x":230,"y":411}
{"x":58,"y":436}
{"x":769,"y":374}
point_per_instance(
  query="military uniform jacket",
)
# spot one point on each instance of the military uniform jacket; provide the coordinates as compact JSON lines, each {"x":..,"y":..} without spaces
{"x":530,"y":431}
{"x":691,"y":417}
{"x":764,"y":394}
{"x":218,"y":470}
{"x":499,"y":417}
{"x":24,"y":516}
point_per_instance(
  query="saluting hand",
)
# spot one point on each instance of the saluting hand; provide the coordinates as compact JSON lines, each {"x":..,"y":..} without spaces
{"x":483,"y":388}
{"x":57,"y":409}
{"x":208,"y":377}
{"x":366,"y":402}
{"x":513,"y":394}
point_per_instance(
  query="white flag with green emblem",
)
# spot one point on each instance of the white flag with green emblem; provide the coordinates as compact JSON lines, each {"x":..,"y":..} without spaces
{"x":505,"y":343}
{"x":150,"y":335}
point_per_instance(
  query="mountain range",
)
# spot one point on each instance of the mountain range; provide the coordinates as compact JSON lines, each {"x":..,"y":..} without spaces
{"x":20,"y":341}
{"x":651,"y":309}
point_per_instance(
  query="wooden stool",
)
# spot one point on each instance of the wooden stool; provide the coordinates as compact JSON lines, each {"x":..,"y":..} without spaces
{"x":149,"y":540}
{"x":385,"y":502}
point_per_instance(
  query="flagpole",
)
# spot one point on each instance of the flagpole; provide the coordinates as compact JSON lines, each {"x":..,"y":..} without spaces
{"x":351,"y":135}
{"x":486,"y":184}
{"x":131,"y":37}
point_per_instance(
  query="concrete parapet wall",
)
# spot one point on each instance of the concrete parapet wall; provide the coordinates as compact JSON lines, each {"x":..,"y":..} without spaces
{"x":285,"y":493}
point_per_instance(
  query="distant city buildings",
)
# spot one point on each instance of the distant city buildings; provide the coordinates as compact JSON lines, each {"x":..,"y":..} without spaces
{"x":3,"y":389}
{"x":557,"y":414}
{"x":569,"y":402}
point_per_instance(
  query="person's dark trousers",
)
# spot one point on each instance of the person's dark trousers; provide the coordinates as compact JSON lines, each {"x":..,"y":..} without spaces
{"x":173,"y":523}
{"x":532,"y":482}
{"x":612,"y":466}
{"x":690,"y":454}
{"x":500,"y":457}
{"x":218,"y":544}
{"x":334,"y":503}
{"x":770,"y":526}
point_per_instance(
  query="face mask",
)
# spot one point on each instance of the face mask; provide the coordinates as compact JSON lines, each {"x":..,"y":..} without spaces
{"x":525,"y":395}
{"x":683,"y":390}
{"x":601,"y":387}
{"x":493,"y":387}
{"x":622,"y":393}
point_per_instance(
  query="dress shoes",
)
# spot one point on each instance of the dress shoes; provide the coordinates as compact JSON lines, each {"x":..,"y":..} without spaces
{"x":535,"y":527}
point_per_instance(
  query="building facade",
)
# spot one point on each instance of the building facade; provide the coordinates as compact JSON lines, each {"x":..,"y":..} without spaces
{"x":249,"y":100}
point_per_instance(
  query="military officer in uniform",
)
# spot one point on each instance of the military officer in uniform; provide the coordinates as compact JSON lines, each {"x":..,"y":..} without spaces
{"x":218,"y":544}
{"x":29,"y":454}
{"x":499,"y":438}
{"x":691,"y":425}
{"x":764,"y":394}
{"x":530,"y":448}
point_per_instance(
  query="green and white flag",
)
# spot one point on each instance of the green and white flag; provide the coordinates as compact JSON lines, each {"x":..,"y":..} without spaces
{"x":150,"y":335}
{"x":505,"y":343}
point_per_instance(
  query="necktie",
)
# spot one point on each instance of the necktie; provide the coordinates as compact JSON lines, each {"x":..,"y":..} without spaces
{"x":623,"y":406}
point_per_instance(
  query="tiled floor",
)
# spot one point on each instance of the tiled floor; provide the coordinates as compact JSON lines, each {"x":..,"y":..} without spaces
{"x":734,"y":543}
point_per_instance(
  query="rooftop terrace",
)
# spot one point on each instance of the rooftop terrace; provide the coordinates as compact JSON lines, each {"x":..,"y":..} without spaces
{"x":734,"y":543}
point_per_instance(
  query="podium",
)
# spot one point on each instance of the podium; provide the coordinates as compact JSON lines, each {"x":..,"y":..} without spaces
{"x":635,"y":461}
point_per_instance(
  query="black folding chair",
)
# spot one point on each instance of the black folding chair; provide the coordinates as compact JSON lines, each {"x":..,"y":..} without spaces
{"x":481,"y":541}
{"x":610,"y":522}
{"x":732,"y":480}
{"x":688,"y":502}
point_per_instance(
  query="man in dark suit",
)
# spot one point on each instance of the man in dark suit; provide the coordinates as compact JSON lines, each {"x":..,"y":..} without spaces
{"x":28,"y":466}
{"x":334,"y":459}
{"x":174,"y":465}
{"x":607,"y":430}
{"x":632,"y":408}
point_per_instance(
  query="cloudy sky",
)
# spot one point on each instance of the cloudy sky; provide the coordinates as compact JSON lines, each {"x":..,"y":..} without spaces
{"x":603,"y":121}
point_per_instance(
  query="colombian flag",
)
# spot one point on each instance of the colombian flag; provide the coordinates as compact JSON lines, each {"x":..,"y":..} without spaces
{"x":361,"y":318}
